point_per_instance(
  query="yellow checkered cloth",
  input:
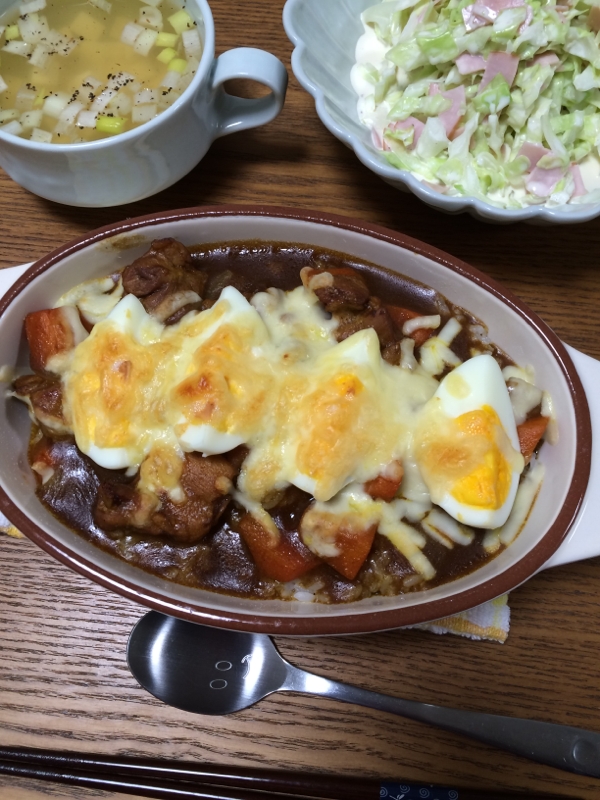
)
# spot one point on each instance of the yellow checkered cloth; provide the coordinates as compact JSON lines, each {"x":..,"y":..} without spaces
{"x":8,"y":529}
{"x":489,"y":621}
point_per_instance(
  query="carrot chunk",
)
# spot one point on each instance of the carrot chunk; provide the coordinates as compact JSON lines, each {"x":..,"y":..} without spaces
{"x":282,"y":558}
{"x":385,"y":487}
{"x":354,"y":547}
{"x":49,"y":332}
{"x":401,"y":315}
{"x":530,"y":432}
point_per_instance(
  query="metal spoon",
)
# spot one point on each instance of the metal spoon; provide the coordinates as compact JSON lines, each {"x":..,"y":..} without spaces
{"x":212,"y":671}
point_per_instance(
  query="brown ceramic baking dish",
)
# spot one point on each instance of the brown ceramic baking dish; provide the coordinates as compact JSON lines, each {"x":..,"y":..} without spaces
{"x":557,"y":530}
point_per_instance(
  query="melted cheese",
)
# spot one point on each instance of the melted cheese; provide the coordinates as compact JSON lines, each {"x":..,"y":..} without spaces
{"x":353,"y":509}
{"x":324,"y":416}
{"x":269,"y":375}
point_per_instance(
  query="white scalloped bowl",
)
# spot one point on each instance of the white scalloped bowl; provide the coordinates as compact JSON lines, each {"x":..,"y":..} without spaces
{"x":324,"y":34}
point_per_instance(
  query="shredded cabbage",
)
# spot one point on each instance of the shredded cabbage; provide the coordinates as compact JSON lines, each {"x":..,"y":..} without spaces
{"x":498,"y":99}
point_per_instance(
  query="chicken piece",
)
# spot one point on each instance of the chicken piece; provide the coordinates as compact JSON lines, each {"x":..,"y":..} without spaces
{"x":237,"y":456}
{"x":123,"y":505}
{"x":337,"y":288}
{"x":181,"y":311}
{"x":169,"y":304}
{"x":50,"y":333}
{"x":43,"y":395}
{"x":373,"y":316}
{"x":165,"y":279}
{"x":392,"y":353}
{"x":165,"y":259}
{"x":206,"y":483}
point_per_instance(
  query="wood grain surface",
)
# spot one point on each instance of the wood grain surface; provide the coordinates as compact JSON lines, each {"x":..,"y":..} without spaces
{"x":64,"y":681}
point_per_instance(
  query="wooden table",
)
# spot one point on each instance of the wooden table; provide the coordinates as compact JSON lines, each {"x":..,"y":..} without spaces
{"x":64,"y":681}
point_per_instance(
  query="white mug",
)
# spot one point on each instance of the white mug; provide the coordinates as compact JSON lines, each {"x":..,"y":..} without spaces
{"x":147,"y":159}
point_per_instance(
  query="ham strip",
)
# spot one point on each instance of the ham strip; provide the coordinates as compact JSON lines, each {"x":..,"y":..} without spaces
{"x":550,"y":59}
{"x":533,"y":152}
{"x":542,"y":182}
{"x":451,"y":117}
{"x":437,"y":187}
{"x":528,"y":19}
{"x":471,"y":20}
{"x":410,"y":122}
{"x":505,"y":64}
{"x":376,"y":139}
{"x":579,"y":189}
{"x":468,"y":64}
{"x":485,"y":12}
{"x":495,"y":7}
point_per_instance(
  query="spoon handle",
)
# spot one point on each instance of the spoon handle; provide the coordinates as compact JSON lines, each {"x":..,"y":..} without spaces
{"x":561,"y":746}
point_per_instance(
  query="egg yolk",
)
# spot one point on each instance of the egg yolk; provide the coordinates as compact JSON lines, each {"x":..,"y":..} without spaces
{"x":467,"y":460}
{"x":228,"y":385}
{"x":489,"y":484}
{"x":329,"y":415}
{"x":110,"y":378}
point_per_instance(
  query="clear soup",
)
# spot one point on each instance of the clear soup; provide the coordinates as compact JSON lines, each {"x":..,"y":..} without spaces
{"x":73,"y":71}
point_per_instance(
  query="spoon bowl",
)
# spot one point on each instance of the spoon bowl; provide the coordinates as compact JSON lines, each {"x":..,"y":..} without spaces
{"x":212,"y":671}
{"x":217,"y":673}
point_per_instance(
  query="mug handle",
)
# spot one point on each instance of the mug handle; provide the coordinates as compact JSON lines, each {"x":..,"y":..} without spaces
{"x":237,"y":113}
{"x":583,"y":540}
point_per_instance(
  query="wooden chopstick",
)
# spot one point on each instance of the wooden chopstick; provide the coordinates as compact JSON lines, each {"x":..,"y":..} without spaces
{"x":187,"y":776}
{"x":181,"y":780}
{"x":161,"y":790}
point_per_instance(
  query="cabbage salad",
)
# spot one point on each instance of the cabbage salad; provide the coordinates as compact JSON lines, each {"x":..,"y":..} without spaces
{"x":495,"y":99}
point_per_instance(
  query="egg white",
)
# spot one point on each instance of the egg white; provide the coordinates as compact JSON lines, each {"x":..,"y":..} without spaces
{"x":475,"y":385}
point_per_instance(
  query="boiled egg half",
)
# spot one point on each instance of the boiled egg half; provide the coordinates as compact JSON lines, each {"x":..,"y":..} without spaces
{"x":466,"y":445}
